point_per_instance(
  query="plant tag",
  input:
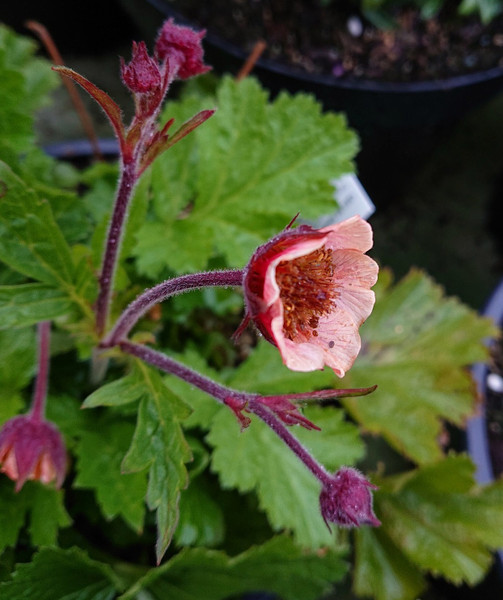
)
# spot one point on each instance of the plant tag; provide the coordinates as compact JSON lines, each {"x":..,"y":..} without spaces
{"x":352,"y":199}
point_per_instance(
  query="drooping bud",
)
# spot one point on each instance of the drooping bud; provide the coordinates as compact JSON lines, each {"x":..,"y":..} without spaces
{"x":181,"y":46}
{"x":142,"y":75}
{"x":347,"y":500}
{"x":32,"y":449}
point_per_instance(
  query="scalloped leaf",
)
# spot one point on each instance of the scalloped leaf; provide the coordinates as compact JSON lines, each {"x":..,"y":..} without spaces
{"x":241,"y":177}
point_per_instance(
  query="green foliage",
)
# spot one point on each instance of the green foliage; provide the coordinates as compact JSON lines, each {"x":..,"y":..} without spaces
{"x":381,"y":12}
{"x":41,"y":506}
{"x":416,"y":346}
{"x":100,"y":454}
{"x":26,"y":80}
{"x":159,"y":446}
{"x":277,"y":566}
{"x":235,"y":181}
{"x":256,"y":459}
{"x":152,"y":441}
{"x":435,"y":520}
{"x":56,"y":574}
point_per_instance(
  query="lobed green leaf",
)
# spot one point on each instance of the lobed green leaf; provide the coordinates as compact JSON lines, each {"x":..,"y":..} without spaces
{"x":417,"y":346}
{"x":56,"y":574}
{"x":100,"y":454}
{"x":278,"y":566}
{"x":241,"y":177}
{"x":159,"y":445}
{"x":435,"y":520}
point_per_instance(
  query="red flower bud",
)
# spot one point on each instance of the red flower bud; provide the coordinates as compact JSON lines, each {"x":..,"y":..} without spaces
{"x":308,"y":291}
{"x":142,"y":75}
{"x":347,"y":500}
{"x":32,"y":449}
{"x":182,"y":47}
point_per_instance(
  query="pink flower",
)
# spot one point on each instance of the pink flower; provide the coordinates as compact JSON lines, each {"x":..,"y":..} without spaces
{"x":142,"y":75}
{"x":32,"y":448}
{"x":308,"y":292}
{"x":182,"y":47}
{"x":347,"y":500}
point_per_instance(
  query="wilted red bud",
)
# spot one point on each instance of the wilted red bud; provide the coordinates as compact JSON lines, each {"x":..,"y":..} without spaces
{"x":347,"y":500}
{"x":182,"y":46}
{"x":308,"y":291}
{"x":32,"y":449}
{"x":142,"y":74}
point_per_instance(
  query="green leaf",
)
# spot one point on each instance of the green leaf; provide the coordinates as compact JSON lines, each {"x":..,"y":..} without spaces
{"x":43,"y":505}
{"x":241,"y":177}
{"x":47,"y":513}
{"x":100,"y":454}
{"x":17,"y":359}
{"x":487,"y":9}
{"x":264,"y":372}
{"x":416,"y":347}
{"x":201,"y":518}
{"x":256,"y":459}
{"x":434,"y":520}
{"x":159,"y":446}
{"x":56,"y":574}
{"x":381,"y":569}
{"x":26,"y":81}
{"x":121,"y":391}
{"x":277,"y":566}
{"x":27,"y":304}
{"x":30,"y":240}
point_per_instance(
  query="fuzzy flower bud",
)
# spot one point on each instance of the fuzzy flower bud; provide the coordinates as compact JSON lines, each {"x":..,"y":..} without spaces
{"x":347,"y":500}
{"x":182,"y":47}
{"x":32,"y":448}
{"x":142,"y":75}
{"x":308,"y":292}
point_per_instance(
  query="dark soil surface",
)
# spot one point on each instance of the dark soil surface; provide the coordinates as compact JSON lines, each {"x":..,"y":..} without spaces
{"x":333,"y":40}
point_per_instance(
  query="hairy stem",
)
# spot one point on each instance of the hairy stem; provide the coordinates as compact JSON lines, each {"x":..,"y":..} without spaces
{"x":224,"y":394}
{"x":114,"y":238}
{"x":169,"y":365}
{"x":40,"y":390}
{"x":291,"y":441}
{"x":164,"y":290}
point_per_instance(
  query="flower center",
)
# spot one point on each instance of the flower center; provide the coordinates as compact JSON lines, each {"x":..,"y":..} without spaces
{"x":306,"y":291}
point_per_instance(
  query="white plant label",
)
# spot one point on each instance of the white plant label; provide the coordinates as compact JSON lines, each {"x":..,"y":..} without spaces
{"x":352,"y":199}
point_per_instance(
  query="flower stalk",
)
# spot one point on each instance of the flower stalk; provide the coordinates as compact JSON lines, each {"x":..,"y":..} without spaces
{"x":37,"y":410}
{"x":178,"y":285}
{"x":274,"y":411}
{"x":113,"y":243}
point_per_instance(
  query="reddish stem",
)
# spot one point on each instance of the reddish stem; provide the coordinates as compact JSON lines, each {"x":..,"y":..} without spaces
{"x":113,"y":243}
{"x":40,"y":391}
{"x":160,"y":292}
{"x":224,"y":394}
{"x":291,"y":441}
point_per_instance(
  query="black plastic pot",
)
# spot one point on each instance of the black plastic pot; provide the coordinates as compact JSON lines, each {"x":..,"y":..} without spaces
{"x":477,"y":432}
{"x":398,"y":123}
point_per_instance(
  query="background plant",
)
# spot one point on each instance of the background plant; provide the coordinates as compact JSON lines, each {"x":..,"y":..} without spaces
{"x":382,"y":12}
{"x":248,"y":523}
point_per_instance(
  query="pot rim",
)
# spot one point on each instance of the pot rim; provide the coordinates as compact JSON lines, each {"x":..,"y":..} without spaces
{"x":363,"y":85}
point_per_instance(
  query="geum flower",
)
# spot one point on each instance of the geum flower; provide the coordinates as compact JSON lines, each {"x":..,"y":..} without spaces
{"x":308,"y":292}
{"x":32,"y":448}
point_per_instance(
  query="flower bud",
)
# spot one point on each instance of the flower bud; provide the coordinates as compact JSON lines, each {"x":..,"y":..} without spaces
{"x":347,"y":500}
{"x":32,"y":449}
{"x":182,"y":47}
{"x":142,"y":74}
